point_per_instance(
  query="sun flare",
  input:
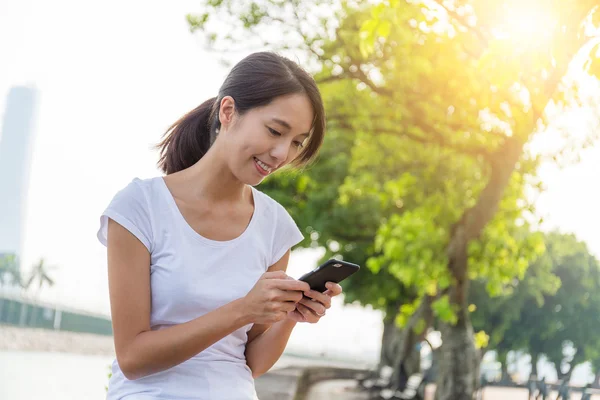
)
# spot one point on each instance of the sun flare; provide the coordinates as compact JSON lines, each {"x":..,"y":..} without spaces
{"x":526,"y":25}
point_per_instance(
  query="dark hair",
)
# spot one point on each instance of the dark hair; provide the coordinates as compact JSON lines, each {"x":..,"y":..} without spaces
{"x":254,"y":82}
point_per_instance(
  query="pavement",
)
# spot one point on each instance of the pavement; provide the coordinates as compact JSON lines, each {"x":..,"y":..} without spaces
{"x":345,"y":390}
{"x":281,"y":384}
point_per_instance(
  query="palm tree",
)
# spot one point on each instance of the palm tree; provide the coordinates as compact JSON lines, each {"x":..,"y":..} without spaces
{"x":40,"y":272}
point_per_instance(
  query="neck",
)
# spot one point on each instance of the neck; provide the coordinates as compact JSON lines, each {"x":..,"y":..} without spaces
{"x":210,"y":179}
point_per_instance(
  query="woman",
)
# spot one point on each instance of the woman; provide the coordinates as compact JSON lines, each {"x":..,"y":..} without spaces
{"x":201,"y":304}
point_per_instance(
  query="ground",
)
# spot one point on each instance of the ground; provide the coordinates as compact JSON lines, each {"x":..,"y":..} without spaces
{"x":344,"y":390}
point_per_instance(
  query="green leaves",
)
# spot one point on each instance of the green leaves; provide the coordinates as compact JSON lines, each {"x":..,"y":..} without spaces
{"x":414,"y":248}
{"x":553,"y":306}
{"x":444,"y":310}
{"x":197,"y":22}
{"x":374,"y":28}
{"x":592,"y":64}
{"x":421,"y":101}
{"x":11,"y":273}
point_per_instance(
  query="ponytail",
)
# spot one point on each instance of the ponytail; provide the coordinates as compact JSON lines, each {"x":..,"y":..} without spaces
{"x":253,"y":82}
{"x":188,"y":139}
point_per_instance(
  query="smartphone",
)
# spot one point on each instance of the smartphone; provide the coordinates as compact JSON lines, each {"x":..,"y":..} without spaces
{"x":330,"y":271}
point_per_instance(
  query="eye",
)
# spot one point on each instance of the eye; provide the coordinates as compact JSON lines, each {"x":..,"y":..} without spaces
{"x":298,"y":144}
{"x":273,"y":132}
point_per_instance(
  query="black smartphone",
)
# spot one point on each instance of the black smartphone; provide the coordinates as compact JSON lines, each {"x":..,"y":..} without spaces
{"x":330,"y":271}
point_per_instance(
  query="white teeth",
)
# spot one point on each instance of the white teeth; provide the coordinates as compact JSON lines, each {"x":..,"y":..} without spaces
{"x":263,"y":165}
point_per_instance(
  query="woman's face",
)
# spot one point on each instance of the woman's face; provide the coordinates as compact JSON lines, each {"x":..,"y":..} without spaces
{"x":264,"y":139}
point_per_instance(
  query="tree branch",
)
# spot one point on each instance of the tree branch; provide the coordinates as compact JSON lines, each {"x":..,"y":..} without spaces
{"x":361,"y":76}
{"x":458,"y":18}
{"x":307,"y":41}
{"x":434,"y":137}
{"x":330,"y":78}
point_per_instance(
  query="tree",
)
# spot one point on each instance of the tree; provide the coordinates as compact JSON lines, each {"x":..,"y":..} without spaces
{"x":489,"y":76}
{"x":551,"y":312}
{"x":444,"y":85}
{"x":501,"y":314}
{"x":40,"y":273}
{"x":564,"y":326}
{"x":11,"y":273}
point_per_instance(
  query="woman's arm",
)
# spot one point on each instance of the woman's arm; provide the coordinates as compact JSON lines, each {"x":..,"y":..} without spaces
{"x":264,"y":351}
{"x":266,"y":343}
{"x":141,"y":351}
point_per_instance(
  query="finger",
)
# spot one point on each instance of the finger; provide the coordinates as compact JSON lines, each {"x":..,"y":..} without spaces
{"x":314,"y":306}
{"x":291,"y":284}
{"x":333,"y":289}
{"x":287,"y":295}
{"x":275,"y":275}
{"x":296,"y":316}
{"x":279,"y":295}
{"x":307,"y":314}
{"x":289,"y":306}
{"x":304,"y":313}
{"x":320,"y":297}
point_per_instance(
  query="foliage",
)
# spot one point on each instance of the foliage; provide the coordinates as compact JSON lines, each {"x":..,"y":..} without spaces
{"x":11,"y":273}
{"x":552,"y":311}
{"x":432,"y":105}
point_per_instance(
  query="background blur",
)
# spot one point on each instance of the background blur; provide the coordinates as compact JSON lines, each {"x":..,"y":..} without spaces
{"x":86,"y":90}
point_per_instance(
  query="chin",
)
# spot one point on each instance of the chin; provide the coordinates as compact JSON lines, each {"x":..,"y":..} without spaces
{"x":254,"y":182}
{"x":251,"y":179}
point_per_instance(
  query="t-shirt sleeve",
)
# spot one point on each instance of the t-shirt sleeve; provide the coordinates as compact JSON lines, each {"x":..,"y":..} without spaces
{"x":287,"y":234}
{"x":130,"y":209}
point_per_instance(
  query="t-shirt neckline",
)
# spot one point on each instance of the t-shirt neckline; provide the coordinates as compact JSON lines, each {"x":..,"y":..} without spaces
{"x":192,"y":232}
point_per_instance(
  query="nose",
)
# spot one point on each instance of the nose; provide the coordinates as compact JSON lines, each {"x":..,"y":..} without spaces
{"x":280,"y":151}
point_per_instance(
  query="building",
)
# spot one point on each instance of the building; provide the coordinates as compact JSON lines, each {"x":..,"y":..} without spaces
{"x":16,"y":145}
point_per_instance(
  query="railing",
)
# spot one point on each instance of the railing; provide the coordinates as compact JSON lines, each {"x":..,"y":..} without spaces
{"x":33,"y":314}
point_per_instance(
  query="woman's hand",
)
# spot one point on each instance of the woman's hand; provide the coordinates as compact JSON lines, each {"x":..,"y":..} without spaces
{"x":313,"y":305}
{"x":273,"y":297}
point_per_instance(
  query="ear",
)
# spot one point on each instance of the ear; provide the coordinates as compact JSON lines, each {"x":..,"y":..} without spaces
{"x":226,"y":111}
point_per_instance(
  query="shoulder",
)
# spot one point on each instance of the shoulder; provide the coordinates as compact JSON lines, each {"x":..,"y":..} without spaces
{"x":131,"y":208}
{"x":272,"y":211}
{"x":138,"y":186}
{"x":270,"y":206}
{"x":139,"y":191}
{"x":282,"y":229}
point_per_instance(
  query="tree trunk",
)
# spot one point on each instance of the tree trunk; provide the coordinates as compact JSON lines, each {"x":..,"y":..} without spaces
{"x":391,"y":335}
{"x":566,"y":376}
{"x":504,"y":377}
{"x":408,"y":357}
{"x":596,"y":383}
{"x":502,"y":358}
{"x":559,"y":374}
{"x":458,"y":373}
{"x":578,"y":358}
{"x":459,"y":363}
{"x":534,"y":361}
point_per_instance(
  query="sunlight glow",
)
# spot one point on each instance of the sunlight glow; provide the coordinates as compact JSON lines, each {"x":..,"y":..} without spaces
{"x":526,"y":25}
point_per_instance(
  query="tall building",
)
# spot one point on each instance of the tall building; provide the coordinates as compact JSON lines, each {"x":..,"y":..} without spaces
{"x":16,"y":144}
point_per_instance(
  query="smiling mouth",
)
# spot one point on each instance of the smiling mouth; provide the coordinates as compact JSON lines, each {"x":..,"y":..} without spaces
{"x":262,"y":167}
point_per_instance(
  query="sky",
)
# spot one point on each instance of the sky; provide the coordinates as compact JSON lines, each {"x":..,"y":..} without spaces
{"x":112,"y":76}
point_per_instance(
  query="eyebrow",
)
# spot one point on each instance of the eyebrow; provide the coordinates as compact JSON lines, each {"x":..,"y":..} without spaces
{"x":287,"y":126}
{"x":282,"y":123}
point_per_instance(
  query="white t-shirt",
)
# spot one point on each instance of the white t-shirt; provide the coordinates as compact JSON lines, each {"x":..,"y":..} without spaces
{"x":190,"y":276}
